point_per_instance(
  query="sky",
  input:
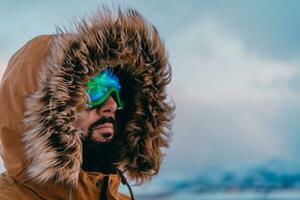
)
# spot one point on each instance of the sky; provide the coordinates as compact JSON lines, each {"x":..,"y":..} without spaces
{"x":236,"y":75}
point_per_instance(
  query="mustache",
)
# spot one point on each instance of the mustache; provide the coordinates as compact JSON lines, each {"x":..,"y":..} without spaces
{"x":102,"y":120}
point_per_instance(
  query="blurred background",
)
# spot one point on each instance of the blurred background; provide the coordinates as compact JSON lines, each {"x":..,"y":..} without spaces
{"x":236,"y":84}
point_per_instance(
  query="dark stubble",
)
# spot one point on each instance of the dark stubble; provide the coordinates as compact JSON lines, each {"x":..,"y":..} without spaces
{"x":100,"y":156}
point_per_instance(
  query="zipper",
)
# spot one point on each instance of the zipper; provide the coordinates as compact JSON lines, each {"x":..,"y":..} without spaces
{"x":102,"y":184}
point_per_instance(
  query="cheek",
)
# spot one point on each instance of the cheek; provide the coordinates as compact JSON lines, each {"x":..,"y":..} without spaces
{"x":83,"y":121}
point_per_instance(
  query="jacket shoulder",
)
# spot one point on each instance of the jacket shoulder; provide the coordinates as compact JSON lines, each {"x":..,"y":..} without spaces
{"x":10,"y":190}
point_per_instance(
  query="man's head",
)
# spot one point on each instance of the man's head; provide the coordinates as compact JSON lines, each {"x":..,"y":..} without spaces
{"x":120,"y":40}
{"x":98,"y":121}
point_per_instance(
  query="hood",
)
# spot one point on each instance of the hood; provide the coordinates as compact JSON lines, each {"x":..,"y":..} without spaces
{"x":42,"y":94}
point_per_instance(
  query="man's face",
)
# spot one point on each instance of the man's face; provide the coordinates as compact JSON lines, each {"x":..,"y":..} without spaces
{"x":101,"y":145}
{"x":99,"y":123}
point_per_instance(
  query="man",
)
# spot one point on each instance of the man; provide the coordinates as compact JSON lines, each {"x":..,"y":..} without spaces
{"x":80,"y":109}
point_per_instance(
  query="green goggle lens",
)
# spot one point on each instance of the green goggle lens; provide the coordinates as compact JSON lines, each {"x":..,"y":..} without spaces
{"x":100,"y":87}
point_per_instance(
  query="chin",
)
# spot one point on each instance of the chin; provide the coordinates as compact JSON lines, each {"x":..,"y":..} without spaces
{"x":100,"y":156}
{"x":102,"y":139}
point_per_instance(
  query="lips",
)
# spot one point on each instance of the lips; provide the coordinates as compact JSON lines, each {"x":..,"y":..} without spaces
{"x":103,"y":132}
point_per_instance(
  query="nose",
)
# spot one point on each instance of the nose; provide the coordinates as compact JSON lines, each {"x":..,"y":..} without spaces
{"x":109,"y":107}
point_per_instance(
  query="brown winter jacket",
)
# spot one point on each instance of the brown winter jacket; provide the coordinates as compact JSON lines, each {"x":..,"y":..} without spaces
{"x":42,"y":91}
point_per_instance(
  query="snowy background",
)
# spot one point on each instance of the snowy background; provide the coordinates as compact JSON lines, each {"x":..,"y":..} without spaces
{"x":236,"y":84}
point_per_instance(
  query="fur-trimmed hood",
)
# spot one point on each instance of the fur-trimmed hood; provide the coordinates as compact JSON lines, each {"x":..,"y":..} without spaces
{"x":45,"y":131}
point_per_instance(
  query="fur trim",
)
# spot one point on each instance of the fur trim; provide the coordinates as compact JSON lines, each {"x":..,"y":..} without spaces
{"x":127,"y":43}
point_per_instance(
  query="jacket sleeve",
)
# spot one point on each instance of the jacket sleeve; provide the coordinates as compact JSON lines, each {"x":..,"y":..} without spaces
{"x":13,"y":193}
{"x":10,"y":190}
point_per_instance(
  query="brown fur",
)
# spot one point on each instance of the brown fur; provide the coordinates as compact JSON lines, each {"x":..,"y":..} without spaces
{"x":126,"y":42}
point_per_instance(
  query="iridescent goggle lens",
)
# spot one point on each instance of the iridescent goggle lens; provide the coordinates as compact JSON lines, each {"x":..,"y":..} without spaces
{"x":100,"y":87}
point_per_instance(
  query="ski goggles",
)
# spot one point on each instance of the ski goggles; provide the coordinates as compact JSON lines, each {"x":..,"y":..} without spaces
{"x":101,"y":86}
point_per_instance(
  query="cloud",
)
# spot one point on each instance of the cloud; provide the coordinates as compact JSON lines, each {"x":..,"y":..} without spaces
{"x":227,"y":99}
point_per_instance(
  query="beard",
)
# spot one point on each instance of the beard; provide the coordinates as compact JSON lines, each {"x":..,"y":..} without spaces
{"x":101,"y":156}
